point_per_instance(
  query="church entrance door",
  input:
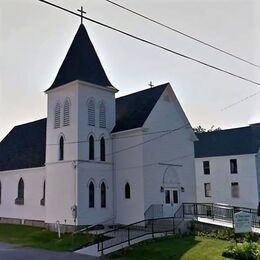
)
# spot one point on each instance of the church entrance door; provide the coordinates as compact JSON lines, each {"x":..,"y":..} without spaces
{"x":171,"y":202}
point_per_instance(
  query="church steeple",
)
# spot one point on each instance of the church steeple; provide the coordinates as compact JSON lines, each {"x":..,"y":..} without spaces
{"x":81,"y":63}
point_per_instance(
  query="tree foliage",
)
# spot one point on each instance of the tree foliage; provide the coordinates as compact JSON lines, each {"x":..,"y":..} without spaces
{"x":200,"y":129}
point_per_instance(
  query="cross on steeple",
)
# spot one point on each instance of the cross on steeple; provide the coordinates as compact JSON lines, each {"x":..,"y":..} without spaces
{"x":81,"y":14}
{"x":151,"y":84}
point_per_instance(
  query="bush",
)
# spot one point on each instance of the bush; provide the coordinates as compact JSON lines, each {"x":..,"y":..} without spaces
{"x":246,"y":250}
{"x":223,"y":234}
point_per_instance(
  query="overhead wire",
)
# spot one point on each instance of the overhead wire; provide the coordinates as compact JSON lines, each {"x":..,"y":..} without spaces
{"x":182,"y":33}
{"x":154,"y":44}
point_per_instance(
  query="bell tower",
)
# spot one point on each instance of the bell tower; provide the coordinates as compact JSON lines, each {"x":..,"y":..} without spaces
{"x":81,"y":115}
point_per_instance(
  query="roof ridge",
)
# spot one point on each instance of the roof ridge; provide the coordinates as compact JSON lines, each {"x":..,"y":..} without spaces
{"x":143,"y":90}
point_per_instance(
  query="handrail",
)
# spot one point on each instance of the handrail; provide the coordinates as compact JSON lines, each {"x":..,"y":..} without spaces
{"x":135,"y":230}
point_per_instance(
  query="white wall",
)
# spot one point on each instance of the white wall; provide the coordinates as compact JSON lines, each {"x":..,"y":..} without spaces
{"x":221,"y":178}
{"x":128,"y":167}
{"x":174,"y":148}
{"x":60,"y":192}
{"x":97,"y":172}
{"x":33,"y":193}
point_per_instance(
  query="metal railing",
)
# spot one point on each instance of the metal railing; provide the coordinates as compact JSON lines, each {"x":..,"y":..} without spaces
{"x":221,"y":212}
{"x":136,"y":230}
{"x":154,"y":211}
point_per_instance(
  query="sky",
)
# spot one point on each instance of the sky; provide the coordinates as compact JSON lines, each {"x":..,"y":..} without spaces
{"x":34,"y":39}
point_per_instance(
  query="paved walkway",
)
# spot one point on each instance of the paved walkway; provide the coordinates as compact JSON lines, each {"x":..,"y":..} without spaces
{"x":13,"y":252}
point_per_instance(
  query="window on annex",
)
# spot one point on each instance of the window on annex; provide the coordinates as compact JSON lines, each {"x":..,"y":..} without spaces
{"x":233,"y":166}
{"x":91,"y":150}
{"x":206,"y":168}
{"x":207,"y":190}
{"x":103,"y":195}
{"x":91,"y":195}
{"x":20,"y":193}
{"x":127,"y":191}
{"x":235,"y":189}
{"x":61,"y":149}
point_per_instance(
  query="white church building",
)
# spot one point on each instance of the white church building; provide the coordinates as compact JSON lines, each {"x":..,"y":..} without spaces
{"x":97,"y":158}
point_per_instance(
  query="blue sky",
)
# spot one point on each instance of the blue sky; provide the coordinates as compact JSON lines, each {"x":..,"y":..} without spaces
{"x":35,"y":37}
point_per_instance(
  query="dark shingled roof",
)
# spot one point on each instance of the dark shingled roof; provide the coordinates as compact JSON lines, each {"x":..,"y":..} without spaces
{"x":24,"y":146}
{"x":81,"y":63}
{"x":132,"y":110}
{"x":236,"y":141}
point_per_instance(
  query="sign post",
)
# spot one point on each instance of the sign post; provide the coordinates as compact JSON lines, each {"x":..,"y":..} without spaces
{"x":242,"y":222}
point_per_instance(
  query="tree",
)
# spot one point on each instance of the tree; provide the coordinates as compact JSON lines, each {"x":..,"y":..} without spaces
{"x":200,"y":129}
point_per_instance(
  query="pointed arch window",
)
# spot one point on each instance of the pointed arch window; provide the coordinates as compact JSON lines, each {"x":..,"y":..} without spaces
{"x":43,"y":194}
{"x":127,"y":191}
{"x":66,"y":113}
{"x":91,"y":147}
{"x":102,"y":115}
{"x":61,"y":149}
{"x":91,"y":195}
{"x":103,"y":195}
{"x":91,"y":112}
{"x":57,"y":116}
{"x":20,"y":194}
{"x":102,"y":149}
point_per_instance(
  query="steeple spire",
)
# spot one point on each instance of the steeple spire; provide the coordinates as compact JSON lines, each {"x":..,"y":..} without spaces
{"x":81,"y":63}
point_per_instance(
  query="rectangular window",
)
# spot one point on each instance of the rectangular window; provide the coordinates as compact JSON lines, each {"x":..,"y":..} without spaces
{"x":234,"y":189}
{"x":206,"y":168}
{"x":175,"y":196}
{"x":207,"y":189}
{"x":233,"y":166}
{"x":167,"y":197}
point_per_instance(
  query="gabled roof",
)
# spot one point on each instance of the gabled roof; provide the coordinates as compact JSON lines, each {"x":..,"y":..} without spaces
{"x":236,"y":141}
{"x":132,"y":110}
{"x":81,"y":63}
{"x":24,"y":146}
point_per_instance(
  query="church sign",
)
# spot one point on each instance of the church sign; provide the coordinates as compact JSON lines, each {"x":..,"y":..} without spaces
{"x":242,"y":222}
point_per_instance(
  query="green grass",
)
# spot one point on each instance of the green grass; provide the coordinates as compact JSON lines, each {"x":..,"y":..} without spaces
{"x":42,"y":238}
{"x":186,"y":248}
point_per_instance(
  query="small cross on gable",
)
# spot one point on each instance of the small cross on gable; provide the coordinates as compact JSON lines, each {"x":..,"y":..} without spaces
{"x":81,"y":14}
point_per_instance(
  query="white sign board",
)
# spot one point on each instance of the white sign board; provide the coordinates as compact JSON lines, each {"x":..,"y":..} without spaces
{"x":242,"y":222}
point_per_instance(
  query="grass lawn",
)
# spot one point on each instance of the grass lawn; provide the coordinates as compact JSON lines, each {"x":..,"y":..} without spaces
{"x":186,"y":248}
{"x":42,"y":238}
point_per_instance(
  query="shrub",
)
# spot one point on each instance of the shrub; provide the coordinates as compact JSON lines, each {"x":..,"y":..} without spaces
{"x":243,"y":251}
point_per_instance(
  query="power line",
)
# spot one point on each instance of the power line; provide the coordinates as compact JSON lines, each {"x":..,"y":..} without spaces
{"x":148,"y":164}
{"x":115,"y":138}
{"x":241,"y":100}
{"x":182,"y":33}
{"x":154,"y":44}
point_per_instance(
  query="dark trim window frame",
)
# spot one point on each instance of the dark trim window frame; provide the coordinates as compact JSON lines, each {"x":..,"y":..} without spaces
{"x":61,"y":148}
{"x":206,"y":167}
{"x":103,"y":195}
{"x":233,"y":166}
{"x":234,"y":189}
{"x":91,"y":150}
{"x":207,"y":190}
{"x":127,"y":191}
{"x":20,"y":193}
{"x":102,"y":149}
{"x":91,"y":195}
